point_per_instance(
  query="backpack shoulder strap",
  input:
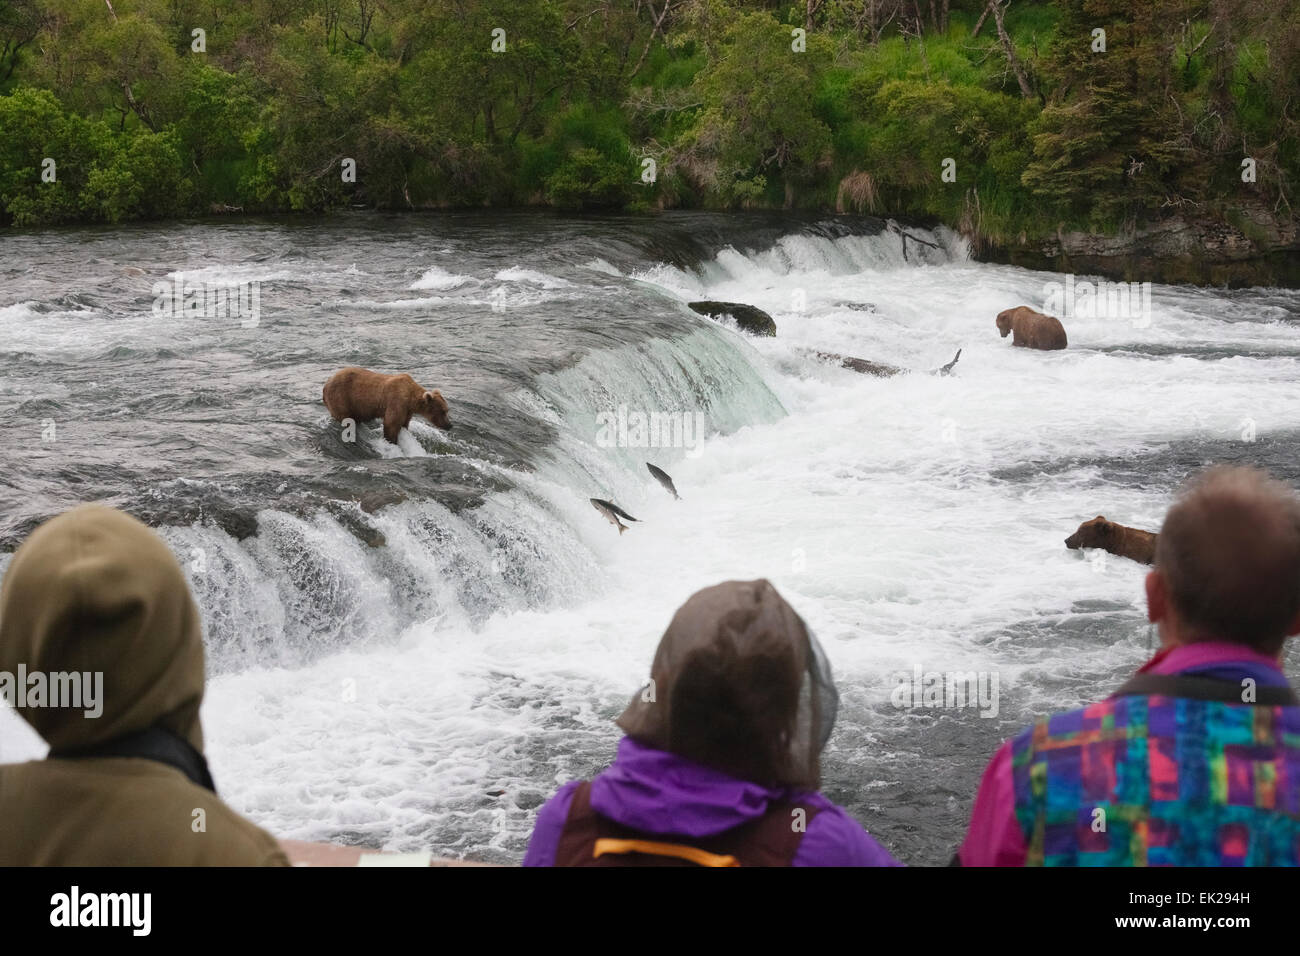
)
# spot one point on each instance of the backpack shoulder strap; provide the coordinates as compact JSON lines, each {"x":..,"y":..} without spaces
{"x":589,"y":839}
{"x":676,"y":851}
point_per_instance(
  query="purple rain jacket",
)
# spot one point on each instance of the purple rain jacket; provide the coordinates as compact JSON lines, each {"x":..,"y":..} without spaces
{"x":664,"y":794}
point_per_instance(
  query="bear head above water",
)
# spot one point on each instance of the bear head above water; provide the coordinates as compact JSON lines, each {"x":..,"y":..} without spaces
{"x":434,"y":407}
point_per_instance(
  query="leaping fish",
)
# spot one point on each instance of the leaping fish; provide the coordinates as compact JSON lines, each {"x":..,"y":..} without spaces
{"x":663,"y":478}
{"x":945,"y":369}
{"x":612,"y":513}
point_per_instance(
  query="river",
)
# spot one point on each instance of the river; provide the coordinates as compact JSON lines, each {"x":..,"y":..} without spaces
{"x":412,"y":646}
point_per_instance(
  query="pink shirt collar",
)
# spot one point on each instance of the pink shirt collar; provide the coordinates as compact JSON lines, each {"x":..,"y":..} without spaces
{"x":1173,"y":660}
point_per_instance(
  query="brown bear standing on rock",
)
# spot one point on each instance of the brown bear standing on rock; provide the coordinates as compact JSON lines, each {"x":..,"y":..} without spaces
{"x":362,"y":395}
{"x":1119,"y":539}
{"x":1033,"y":330}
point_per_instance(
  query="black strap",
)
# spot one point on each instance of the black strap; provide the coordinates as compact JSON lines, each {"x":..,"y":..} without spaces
{"x":154,"y":743}
{"x":1204,"y":688}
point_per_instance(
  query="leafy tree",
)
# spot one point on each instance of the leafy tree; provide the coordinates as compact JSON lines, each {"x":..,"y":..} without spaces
{"x":102,"y":60}
{"x":99,"y":174}
{"x":20,"y":24}
{"x":1107,"y":141}
{"x":563,"y":106}
{"x":584,"y":160}
{"x":756,"y":122}
{"x":141,"y":178}
{"x":34,"y":127}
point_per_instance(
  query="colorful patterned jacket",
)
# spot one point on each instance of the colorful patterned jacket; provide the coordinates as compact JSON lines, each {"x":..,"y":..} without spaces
{"x":1195,"y":762}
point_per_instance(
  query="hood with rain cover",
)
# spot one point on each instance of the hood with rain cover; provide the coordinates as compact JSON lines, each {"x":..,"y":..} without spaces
{"x":739,"y":684}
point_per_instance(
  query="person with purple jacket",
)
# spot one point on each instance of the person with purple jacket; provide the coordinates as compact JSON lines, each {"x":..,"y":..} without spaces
{"x":721,"y":762}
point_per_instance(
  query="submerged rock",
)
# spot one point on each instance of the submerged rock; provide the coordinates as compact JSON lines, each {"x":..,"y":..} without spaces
{"x":750,"y":318}
{"x":880,"y":369}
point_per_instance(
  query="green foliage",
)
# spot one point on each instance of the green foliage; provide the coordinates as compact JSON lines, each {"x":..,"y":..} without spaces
{"x":34,"y":127}
{"x":588,"y":178}
{"x":122,"y":65}
{"x":756,"y":122}
{"x":573,"y":94}
{"x":583,"y":161}
{"x":143,"y":178}
{"x":1104,"y":149}
{"x":99,"y":174}
{"x":912,"y":128}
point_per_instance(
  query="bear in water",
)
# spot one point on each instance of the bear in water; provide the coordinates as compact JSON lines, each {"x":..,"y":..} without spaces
{"x":1032,"y":330}
{"x":362,"y":395}
{"x":1118,"y":539}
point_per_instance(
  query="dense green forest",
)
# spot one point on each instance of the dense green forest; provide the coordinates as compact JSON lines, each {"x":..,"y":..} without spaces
{"x":1004,"y":119}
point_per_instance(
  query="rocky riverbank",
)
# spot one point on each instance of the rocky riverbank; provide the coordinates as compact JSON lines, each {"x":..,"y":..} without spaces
{"x":1251,"y":246}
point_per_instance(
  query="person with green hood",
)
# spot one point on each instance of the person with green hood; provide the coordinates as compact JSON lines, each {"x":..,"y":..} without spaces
{"x":722,"y":758}
{"x":95,"y":594}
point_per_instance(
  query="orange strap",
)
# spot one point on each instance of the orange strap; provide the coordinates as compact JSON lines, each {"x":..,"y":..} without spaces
{"x":694,"y":854}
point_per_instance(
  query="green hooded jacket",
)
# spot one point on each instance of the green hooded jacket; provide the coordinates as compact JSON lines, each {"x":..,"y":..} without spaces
{"x":94,"y":591}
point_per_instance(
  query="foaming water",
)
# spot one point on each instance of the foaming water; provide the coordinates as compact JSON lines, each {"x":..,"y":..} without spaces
{"x":413,"y":646}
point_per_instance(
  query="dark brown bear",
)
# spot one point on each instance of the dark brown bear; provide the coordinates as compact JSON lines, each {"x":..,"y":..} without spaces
{"x":362,"y":395}
{"x":1119,"y":539}
{"x":1033,"y":330}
